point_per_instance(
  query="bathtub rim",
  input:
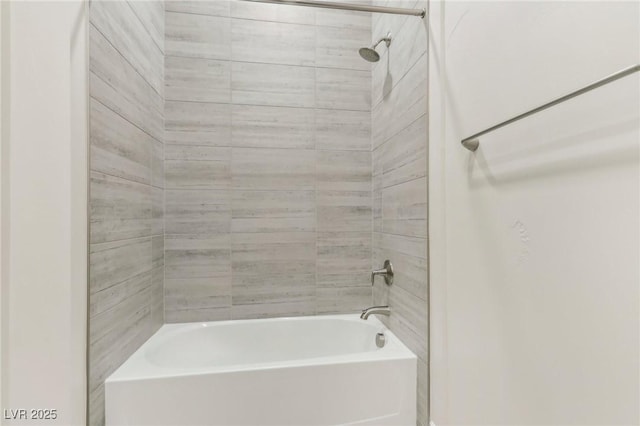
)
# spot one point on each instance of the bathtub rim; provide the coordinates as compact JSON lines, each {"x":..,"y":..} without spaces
{"x":138,"y":368}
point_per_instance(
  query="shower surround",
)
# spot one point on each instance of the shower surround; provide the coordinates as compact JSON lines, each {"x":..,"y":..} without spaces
{"x":246,"y":162}
{"x":267,"y":161}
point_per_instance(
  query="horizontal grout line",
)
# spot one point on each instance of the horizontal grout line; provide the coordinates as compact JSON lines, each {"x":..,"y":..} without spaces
{"x":125,"y":179}
{"x":403,"y":182}
{"x":399,"y":81}
{"x":122,"y":116}
{"x":232,"y":147}
{"x":401,"y":130}
{"x":231,"y":61}
{"x":160,"y":48}
{"x":118,"y":241}
{"x":206,"y":308}
{"x":135,"y":69}
{"x":230,"y":16}
{"x":402,"y":235}
{"x":114,"y":307}
{"x":130,"y":277}
{"x":263,"y":105}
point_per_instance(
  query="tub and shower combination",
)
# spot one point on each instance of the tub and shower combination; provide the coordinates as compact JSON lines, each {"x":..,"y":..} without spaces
{"x":322,"y":370}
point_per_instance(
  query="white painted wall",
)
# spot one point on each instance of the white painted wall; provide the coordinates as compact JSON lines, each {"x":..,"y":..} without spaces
{"x":534,"y":238}
{"x":44,"y":221}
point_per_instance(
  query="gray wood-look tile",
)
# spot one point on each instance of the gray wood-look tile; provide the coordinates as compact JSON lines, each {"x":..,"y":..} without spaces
{"x":377,"y":202}
{"x":405,"y":104}
{"x":411,"y":311}
{"x":118,"y":324}
{"x":272,"y":127}
{"x":197,"y":212}
{"x":417,"y":343}
{"x":276,"y":85}
{"x":404,"y":208}
{"x":409,"y":44}
{"x":272,"y":12}
{"x":273,"y":211}
{"x":115,"y":262}
{"x":343,"y":259}
{"x":197,"y":79}
{"x":118,"y":147}
{"x":124,"y":341}
{"x":197,"y":167}
{"x":273,"y":310}
{"x":112,"y":296}
{"x":275,"y":253}
{"x":157,"y":211}
{"x":151,"y":16}
{"x":344,"y":171}
{"x":343,"y":89}
{"x":111,"y":350}
{"x":157,"y":298}
{"x":350,"y":212}
{"x":404,"y":156}
{"x":197,"y":36}
{"x":198,"y":315}
{"x":119,"y":209}
{"x":157,"y":252}
{"x":276,"y":169}
{"x":343,"y":199}
{"x":157,"y":163}
{"x":412,"y":246}
{"x":267,"y":296}
{"x":118,"y":22}
{"x":199,"y":7}
{"x":196,"y":123}
{"x":197,"y":153}
{"x":117,"y":85}
{"x":410,"y":271}
{"x":382,"y":81}
{"x":338,"y":47}
{"x":343,"y":130}
{"x":197,"y":256}
{"x":342,"y":300}
{"x":272,"y":42}
{"x":198,"y":293}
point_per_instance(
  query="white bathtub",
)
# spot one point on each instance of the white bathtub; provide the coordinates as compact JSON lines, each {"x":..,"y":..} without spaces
{"x":323,"y":370}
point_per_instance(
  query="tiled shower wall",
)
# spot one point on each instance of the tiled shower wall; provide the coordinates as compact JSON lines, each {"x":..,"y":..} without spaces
{"x":399,"y":144}
{"x":126,"y":204}
{"x":267,"y":161}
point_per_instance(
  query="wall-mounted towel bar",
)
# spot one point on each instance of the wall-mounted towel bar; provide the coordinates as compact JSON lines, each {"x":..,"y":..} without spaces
{"x":472,"y":142}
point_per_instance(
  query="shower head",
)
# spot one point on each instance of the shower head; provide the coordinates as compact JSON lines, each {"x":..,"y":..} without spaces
{"x":370,"y":54}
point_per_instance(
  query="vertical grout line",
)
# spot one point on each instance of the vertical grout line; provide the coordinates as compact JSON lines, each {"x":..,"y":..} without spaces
{"x":315,"y":156}
{"x":87,"y":18}
{"x":373,"y":204}
{"x":231,"y":193}
{"x":164,"y":148}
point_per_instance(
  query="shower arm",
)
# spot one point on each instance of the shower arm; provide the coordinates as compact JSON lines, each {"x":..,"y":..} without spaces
{"x":386,"y":39}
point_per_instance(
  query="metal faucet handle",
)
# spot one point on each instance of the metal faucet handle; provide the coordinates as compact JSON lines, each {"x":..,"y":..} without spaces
{"x":386,"y":272}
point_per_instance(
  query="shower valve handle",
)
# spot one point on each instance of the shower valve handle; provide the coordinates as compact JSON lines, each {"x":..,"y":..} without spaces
{"x":386,"y":272}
